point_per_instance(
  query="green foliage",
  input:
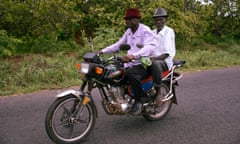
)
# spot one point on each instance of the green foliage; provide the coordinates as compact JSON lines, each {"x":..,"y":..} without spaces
{"x":45,"y":44}
{"x":105,"y":37}
{"x":35,"y":18}
{"x":224,"y":18}
{"x":210,"y":57}
{"x":30,"y":73}
{"x":78,"y":20}
{"x":8,"y":45}
{"x":37,"y":72}
{"x":207,"y":36}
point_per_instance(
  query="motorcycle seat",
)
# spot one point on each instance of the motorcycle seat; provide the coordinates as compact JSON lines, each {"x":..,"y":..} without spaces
{"x":165,"y":73}
{"x":179,"y":62}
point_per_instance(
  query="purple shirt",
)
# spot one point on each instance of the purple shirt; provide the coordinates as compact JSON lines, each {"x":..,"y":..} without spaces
{"x":143,"y":43}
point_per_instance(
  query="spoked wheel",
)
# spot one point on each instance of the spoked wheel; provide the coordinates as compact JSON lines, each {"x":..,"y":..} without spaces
{"x":68,"y":121}
{"x":160,"y":109}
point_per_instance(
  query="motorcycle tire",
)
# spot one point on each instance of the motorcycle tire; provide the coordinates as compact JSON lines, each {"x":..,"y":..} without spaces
{"x":163,"y":109}
{"x":63,"y":126}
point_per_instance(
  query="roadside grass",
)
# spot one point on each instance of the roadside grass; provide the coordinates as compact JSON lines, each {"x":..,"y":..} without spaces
{"x":35,"y":72}
{"x":24,"y":74}
{"x":210,"y":57}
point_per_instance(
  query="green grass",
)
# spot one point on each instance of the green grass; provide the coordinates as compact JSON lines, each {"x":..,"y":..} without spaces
{"x":31,"y":73}
{"x":210,"y":58}
{"x":24,"y":74}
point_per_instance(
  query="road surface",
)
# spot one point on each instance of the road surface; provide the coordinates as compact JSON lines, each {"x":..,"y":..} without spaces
{"x":208,"y":113}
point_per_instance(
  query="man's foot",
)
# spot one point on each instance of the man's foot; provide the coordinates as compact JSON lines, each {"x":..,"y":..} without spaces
{"x":136,"y":108}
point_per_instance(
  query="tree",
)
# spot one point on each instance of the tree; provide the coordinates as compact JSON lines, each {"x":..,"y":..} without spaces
{"x":80,"y":19}
{"x":225,"y":19}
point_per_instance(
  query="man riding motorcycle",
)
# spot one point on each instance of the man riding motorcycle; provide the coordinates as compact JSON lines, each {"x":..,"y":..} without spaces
{"x":142,"y":43}
{"x":72,"y":116}
{"x":166,"y":48}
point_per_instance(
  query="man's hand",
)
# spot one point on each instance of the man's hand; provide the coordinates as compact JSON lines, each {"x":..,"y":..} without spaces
{"x":127,"y":58}
{"x":98,"y":52}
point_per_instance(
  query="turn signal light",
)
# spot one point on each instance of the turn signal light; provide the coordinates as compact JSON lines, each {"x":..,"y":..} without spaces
{"x":78,"y":66}
{"x":98,"y":70}
{"x":86,"y":100}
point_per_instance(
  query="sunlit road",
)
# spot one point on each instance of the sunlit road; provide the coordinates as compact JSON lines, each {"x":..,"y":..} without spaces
{"x":208,"y":113}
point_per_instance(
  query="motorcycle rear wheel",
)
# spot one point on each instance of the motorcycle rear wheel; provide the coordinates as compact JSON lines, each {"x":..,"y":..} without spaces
{"x":163,"y":109}
{"x":63,"y":126}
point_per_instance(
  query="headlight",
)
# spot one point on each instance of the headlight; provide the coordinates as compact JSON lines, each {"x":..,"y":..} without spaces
{"x":89,"y":68}
{"x":84,"y":68}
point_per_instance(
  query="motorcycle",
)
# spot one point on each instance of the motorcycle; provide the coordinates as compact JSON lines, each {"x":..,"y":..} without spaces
{"x":72,"y":116}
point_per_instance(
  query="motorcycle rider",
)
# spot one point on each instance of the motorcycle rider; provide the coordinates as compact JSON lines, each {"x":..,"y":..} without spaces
{"x":142,"y":42}
{"x":166,"y":50}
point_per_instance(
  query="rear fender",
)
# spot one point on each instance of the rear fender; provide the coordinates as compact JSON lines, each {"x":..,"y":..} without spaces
{"x":174,"y":98}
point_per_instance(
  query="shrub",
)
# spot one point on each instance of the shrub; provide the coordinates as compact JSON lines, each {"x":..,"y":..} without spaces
{"x":8,"y":45}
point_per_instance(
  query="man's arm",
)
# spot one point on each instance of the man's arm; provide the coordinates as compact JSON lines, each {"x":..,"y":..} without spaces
{"x":115,"y":47}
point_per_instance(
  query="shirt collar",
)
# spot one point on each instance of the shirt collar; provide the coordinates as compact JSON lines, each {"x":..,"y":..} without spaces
{"x":162,"y":31}
{"x":138,"y":32}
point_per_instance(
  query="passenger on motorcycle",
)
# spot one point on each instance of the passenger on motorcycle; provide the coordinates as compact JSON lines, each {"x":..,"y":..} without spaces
{"x":143,"y":42}
{"x":166,"y":47}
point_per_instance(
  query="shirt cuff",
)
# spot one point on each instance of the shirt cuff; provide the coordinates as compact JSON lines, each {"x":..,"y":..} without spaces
{"x":136,"y":56}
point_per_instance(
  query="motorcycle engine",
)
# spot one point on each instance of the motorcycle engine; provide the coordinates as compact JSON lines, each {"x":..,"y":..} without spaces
{"x":119,"y":100}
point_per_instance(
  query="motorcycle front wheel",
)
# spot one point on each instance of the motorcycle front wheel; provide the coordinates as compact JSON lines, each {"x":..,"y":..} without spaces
{"x":162,"y":109}
{"x":68,"y":121}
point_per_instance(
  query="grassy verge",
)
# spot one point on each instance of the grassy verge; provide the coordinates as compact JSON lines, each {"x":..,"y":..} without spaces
{"x":35,"y":72}
{"x":215,"y":57}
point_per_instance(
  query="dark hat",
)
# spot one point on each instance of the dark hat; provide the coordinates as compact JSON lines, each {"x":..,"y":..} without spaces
{"x":132,"y":12}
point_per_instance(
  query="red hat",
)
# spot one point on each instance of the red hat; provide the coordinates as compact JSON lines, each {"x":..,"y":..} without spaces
{"x":132,"y":12}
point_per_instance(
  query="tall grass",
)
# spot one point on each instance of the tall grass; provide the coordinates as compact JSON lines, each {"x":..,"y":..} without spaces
{"x":210,"y":58}
{"x":29,"y":73}
{"x":36,"y":72}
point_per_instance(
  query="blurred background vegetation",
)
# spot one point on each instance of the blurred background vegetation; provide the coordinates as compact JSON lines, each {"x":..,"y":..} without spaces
{"x":42,"y":40}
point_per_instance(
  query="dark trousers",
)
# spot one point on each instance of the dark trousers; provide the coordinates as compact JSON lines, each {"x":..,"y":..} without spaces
{"x":156,"y":69}
{"x":135,"y":75}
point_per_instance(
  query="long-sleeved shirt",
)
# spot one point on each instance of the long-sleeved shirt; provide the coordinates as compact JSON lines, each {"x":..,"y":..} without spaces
{"x":166,"y":44}
{"x":143,"y":43}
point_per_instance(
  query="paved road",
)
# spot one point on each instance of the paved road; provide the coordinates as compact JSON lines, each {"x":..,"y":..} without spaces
{"x":208,"y":113}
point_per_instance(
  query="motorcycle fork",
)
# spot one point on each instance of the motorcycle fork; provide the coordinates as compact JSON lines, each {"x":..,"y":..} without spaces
{"x":86,"y":96}
{"x":76,"y":108}
{"x":90,"y":84}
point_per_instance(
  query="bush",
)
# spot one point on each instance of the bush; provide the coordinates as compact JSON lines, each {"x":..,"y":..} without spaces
{"x":45,"y":44}
{"x":8,"y":45}
{"x":35,"y":72}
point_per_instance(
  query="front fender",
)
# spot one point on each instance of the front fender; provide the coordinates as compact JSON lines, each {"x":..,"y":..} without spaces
{"x":69,"y":92}
{"x":77,"y":94}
